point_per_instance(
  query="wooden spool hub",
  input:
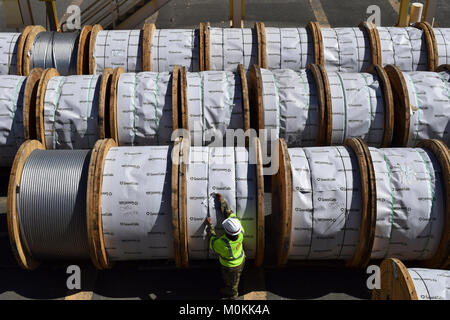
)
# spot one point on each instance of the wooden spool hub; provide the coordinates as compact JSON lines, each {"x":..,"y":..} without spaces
{"x":255,"y":93}
{"x":262,"y":44}
{"x":179,"y":204}
{"x":282,"y":185}
{"x":25,"y":63}
{"x":111,"y":120}
{"x":441,"y":258}
{"x":396,"y":282}
{"x":20,"y":47}
{"x":97,"y":248}
{"x":29,"y":103}
{"x":402,"y":106}
{"x":40,"y":97}
{"x":183,"y":102}
{"x":430,"y":40}
{"x":19,"y":247}
{"x":388,"y":104}
{"x":374,"y":40}
{"x":319,"y":55}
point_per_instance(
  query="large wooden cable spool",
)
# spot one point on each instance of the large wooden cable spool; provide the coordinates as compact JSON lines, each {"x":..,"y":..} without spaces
{"x":46,"y":76}
{"x":20,"y":250}
{"x":182,"y":209}
{"x":26,"y":44}
{"x":257,"y":101}
{"x":112,"y":106}
{"x":183,"y":101}
{"x":282,"y":206}
{"x":440,"y":257}
{"x":388,"y":98}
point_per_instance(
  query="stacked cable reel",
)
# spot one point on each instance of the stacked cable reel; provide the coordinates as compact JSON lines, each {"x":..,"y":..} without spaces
{"x":401,"y":283}
{"x":71,"y":110}
{"x":213,"y":102}
{"x":338,"y":204}
{"x":149,"y":49}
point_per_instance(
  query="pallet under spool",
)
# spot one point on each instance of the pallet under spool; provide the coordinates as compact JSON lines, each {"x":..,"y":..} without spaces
{"x":40,"y":96}
{"x":179,"y":205}
{"x":111,"y":116}
{"x":255,"y":90}
{"x":182,"y":103}
{"x":388,"y":104}
{"x":26,"y":43}
{"x":282,"y":208}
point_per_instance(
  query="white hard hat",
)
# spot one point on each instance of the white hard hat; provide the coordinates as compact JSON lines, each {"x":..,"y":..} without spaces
{"x":232,"y":226}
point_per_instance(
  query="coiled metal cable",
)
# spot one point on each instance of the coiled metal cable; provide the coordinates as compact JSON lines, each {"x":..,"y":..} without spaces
{"x":56,"y":50}
{"x":52,"y":204}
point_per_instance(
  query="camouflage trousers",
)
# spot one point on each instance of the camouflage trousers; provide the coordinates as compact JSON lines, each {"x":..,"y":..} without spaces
{"x":231,"y":277}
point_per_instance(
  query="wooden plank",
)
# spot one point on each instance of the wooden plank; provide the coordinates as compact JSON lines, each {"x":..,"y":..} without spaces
{"x":141,"y":14}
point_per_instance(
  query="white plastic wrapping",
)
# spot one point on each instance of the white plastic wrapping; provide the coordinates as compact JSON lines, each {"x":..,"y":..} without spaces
{"x":214,"y":103}
{"x":118,"y":48}
{"x":442,"y":36}
{"x":326,"y":203}
{"x":144,"y":109}
{"x":227,"y":171}
{"x":431,"y":284}
{"x":233,"y":46}
{"x":357,"y":107}
{"x":404,"y":47}
{"x":429,"y":97}
{"x":289,"y":48}
{"x":346,"y":49}
{"x":8,"y":52}
{"x":71,"y":112}
{"x":410,"y":203}
{"x":291,"y":106}
{"x":12,"y":89}
{"x":171,"y":47}
{"x":136,"y":203}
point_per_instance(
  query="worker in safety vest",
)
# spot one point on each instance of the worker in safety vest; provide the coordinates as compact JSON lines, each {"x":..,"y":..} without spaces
{"x":229,"y":248}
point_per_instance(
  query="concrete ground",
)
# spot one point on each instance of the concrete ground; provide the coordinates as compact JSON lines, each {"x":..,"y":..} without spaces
{"x":144,"y":281}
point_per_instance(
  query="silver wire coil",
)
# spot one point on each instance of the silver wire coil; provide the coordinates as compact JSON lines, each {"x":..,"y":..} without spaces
{"x":52,"y":204}
{"x":57,"y":50}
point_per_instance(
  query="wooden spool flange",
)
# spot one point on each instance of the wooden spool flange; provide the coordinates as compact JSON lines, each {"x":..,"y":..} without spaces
{"x":441,"y":258}
{"x":83,"y":50}
{"x":402,"y":106}
{"x":20,"y":47}
{"x":430,"y":40}
{"x":29,"y":103}
{"x":205,"y":26}
{"x":103,"y":103}
{"x":374,"y":39}
{"x":97,"y":249}
{"x":282,"y":205}
{"x":19,"y":247}
{"x":262,"y":44}
{"x":147,"y":36}
{"x":94,"y":32}
{"x":396,"y":282}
